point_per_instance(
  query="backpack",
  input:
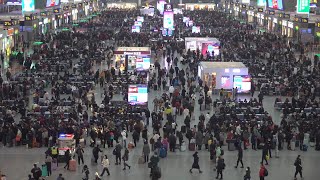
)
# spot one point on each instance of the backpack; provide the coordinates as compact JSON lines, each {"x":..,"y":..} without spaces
{"x":222,"y":152}
{"x":266,"y":173}
{"x":114,"y":152}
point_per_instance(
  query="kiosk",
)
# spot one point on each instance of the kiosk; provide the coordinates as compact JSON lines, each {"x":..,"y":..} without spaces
{"x":65,"y":142}
{"x":199,"y":6}
{"x":138,"y":58}
{"x":226,"y":75}
{"x":204,"y":44}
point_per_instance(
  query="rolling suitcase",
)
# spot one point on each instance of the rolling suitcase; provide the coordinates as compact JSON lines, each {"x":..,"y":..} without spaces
{"x":72,"y":165}
{"x":183,"y":129}
{"x":192,"y":145}
{"x":163,"y":152}
{"x":183,"y":147}
{"x":293,"y":145}
{"x":44,"y":170}
{"x":304,"y":147}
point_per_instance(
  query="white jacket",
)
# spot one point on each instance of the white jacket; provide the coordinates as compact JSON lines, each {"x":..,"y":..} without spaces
{"x":105,"y":163}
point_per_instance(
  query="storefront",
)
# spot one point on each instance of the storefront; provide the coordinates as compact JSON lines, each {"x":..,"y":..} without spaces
{"x":9,"y":42}
{"x":274,"y":24}
{"x":44,"y":25}
{"x":134,"y":58}
{"x":290,"y":30}
{"x":284,"y":27}
{"x":122,"y":5}
{"x":226,"y":75}
{"x":250,"y":16}
{"x":269,"y":24}
{"x":204,"y":44}
{"x":260,"y":18}
{"x":86,"y":8}
{"x":200,"y":6}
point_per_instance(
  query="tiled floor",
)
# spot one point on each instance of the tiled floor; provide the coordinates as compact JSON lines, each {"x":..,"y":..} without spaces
{"x":17,"y":162}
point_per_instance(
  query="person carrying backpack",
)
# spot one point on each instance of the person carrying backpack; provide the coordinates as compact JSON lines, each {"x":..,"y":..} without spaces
{"x":263,"y":172}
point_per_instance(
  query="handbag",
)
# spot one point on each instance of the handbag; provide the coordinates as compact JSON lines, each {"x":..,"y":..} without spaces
{"x":18,"y":138}
{"x":267,"y":157}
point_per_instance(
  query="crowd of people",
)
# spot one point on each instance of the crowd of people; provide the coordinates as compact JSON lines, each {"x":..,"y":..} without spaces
{"x":65,"y":78}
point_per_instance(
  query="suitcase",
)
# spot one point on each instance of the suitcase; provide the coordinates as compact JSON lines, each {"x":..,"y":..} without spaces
{"x":297,"y":143}
{"x":163,"y":152}
{"x":141,"y":160}
{"x":192,"y":146}
{"x":304,"y":147}
{"x":183,"y":147}
{"x":183,"y":129}
{"x":312,"y":144}
{"x":293,"y":145}
{"x":72,"y":165}
{"x":44,"y":170}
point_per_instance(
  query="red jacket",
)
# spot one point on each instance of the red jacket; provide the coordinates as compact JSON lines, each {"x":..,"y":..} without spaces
{"x":261,"y":171}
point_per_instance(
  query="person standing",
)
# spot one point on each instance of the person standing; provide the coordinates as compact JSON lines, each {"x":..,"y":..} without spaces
{"x":240,"y":156}
{"x":262,"y":171}
{"x":86,"y":172}
{"x":117,"y":153}
{"x":146,"y":151}
{"x":195,"y":164}
{"x":220,"y":167}
{"x":298,"y":165}
{"x":125,"y":158}
{"x":67,"y":157}
{"x":79,"y":152}
{"x":105,"y":164}
{"x":55,"y":153}
{"x":48,"y":163}
{"x":154,"y":160}
{"x":247,"y":176}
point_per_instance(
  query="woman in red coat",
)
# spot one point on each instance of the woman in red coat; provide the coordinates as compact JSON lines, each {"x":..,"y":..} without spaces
{"x":262,"y":171}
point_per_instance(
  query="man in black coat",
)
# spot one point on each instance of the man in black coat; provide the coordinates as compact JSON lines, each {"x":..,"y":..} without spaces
{"x":240,"y":156}
{"x":298,"y":166}
{"x":264,"y":154}
{"x":220,"y":167}
{"x":172,"y":142}
{"x":195,"y":164}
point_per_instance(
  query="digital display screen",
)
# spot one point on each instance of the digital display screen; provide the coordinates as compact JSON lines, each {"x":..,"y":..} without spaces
{"x":140,"y":18}
{"x":168,"y":19}
{"x":160,"y":6}
{"x":14,"y":2}
{"x":138,"y":94}
{"x":262,"y":2}
{"x":275,"y":4}
{"x":209,"y":47}
{"x":138,"y":23}
{"x":136,"y":29}
{"x":195,"y":29}
{"x":243,"y":83}
{"x":225,"y":82}
{"x":142,"y":63}
{"x":186,"y":19}
{"x":28,"y":5}
{"x":51,"y":3}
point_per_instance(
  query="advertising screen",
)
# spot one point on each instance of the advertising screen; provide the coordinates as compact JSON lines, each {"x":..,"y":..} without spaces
{"x":195,"y":29}
{"x":142,"y":63}
{"x":138,"y":94}
{"x":168,"y":19}
{"x":51,"y":3}
{"x":140,"y":18}
{"x":275,"y":4}
{"x":138,"y":23}
{"x":243,"y":83}
{"x":215,"y":47}
{"x":186,"y":19}
{"x":27,"y":5}
{"x":135,"y":29}
{"x":262,"y":2}
{"x":160,"y":6}
{"x":14,"y":2}
{"x":225,"y":82}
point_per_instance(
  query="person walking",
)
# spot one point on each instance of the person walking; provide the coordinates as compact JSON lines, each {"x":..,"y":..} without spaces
{"x":247,"y":176}
{"x":95,"y":152}
{"x":125,"y":158}
{"x":265,"y":151}
{"x":36,"y":172}
{"x":220,"y":167}
{"x":85,"y":171}
{"x":146,"y":151}
{"x":79,"y":152}
{"x":67,"y":157}
{"x":117,"y":153}
{"x":240,"y":156}
{"x":262,"y":172}
{"x":195,"y":164}
{"x":154,"y":160}
{"x":105,"y":164}
{"x":298,"y":165}
{"x":48,"y":162}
